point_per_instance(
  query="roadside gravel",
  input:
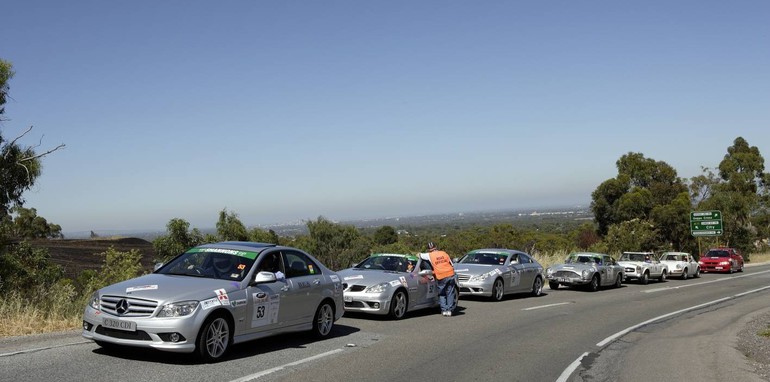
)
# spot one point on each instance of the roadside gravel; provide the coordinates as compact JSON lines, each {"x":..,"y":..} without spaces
{"x":756,"y":348}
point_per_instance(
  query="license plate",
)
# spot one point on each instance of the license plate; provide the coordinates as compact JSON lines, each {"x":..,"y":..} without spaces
{"x":128,"y":326}
{"x":717,"y":267}
{"x":348,"y":299}
{"x":563,"y":280}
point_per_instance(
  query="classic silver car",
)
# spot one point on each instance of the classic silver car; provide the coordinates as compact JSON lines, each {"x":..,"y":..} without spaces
{"x":642,"y":266}
{"x":680,"y":264}
{"x":593,"y":270}
{"x":496,"y":272}
{"x":390,"y":284}
{"x":216,"y":295}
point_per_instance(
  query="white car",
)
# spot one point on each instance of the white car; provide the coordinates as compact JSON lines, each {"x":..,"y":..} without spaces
{"x":680,"y":264}
{"x":642,"y":266}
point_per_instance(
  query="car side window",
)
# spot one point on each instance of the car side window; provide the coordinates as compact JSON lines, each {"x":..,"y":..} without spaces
{"x":297,"y":264}
{"x":271,"y":262}
{"x":524,"y":259}
{"x":425,"y":265}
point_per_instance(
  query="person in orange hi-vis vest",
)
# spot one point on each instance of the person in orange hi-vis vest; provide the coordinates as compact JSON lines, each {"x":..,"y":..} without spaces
{"x":444,"y":272}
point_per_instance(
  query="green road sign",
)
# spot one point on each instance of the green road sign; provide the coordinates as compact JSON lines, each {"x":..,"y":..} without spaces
{"x":706,"y":223}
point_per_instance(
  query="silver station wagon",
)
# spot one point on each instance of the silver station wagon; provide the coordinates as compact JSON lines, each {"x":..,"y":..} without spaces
{"x":216,"y":295}
{"x":496,"y":272}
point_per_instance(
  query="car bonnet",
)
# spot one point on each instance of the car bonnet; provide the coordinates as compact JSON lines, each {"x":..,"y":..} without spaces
{"x":171,"y":288}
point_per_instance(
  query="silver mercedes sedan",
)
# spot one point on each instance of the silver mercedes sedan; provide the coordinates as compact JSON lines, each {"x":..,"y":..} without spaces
{"x":216,"y":295}
{"x":390,"y":284}
{"x":496,"y":272}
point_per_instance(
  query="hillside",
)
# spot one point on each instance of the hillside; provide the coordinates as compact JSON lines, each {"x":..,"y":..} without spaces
{"x":76,"y":255}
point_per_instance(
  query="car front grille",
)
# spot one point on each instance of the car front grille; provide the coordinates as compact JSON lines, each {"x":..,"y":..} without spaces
{"x":566,"y":274}
{"x":136,"y":307}
{"x":630,"y":270}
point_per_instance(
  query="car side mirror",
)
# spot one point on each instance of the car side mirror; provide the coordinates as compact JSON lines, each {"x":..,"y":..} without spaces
{"x":157,"y":266}
{"x":425,"y":272}
{"x":264,"y":277}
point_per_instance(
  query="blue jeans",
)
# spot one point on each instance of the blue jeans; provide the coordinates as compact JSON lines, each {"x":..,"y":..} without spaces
{"x":446,"y":293}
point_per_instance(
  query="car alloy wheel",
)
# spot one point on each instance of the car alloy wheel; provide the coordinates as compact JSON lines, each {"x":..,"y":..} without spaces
{"x":684,"y":274}
{"x":645,"y":278}
{"x":398,"y":304}
{"x":618,"y":281}
{"x":214,"y":339}
{"x":497,"y":290}
{"x":537,"y":287}
{"x":324,"y":320}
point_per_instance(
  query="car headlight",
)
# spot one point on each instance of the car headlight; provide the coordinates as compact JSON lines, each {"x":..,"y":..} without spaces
{"x":94,"y":301}
{"x":178,"y":309}
{"x":679,"y":266}
{"x":379,"y":288}
{"x":638,"y":269}
{"x":548,"y":271}
{"x":586,"y":273}
{"x":481,"y":277}
{"x":724,"y":263}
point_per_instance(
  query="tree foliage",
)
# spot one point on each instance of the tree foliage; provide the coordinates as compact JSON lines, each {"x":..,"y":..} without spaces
{"x":740,"y":192}
{"x":179,"y":238}
{"x":647,"y":191}
{"x":230,"y":227}
{"x":24,"y":223}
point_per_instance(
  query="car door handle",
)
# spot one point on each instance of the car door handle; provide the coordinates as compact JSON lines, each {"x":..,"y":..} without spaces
{"x":285,"y":288}
{"x":317,"y":282}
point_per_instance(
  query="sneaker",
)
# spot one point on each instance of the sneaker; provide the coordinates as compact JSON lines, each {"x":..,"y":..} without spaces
{"x":449,"y":313}
{"x":444,"y":313}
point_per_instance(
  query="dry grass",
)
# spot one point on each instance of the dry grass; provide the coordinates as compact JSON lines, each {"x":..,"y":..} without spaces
{"x":24,"y":314}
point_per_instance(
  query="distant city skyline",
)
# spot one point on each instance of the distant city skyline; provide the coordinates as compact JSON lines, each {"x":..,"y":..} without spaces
{"x":286,"y":111}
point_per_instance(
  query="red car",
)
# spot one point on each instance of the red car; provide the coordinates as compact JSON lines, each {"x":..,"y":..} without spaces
{"x":721,"y":259}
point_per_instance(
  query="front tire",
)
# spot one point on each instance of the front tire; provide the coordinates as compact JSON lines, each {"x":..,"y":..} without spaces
{"x":553,"y":285}
{"x":398,"y":305}
{"x":697,"y":273}
{"x":594,"y":285}
{"x":645,"y":279}
{"x":618,"y":281}
{"x":497,"y":290}
{"x":324,"y":320}
{"x":684,"y":274}
{"x":213,"y":339}
{"x":662,"y":277}
{"x":537,"y":287}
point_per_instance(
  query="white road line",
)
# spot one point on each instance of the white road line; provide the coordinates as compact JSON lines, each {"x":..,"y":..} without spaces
{"x":624,"y":331}
{"x":548,"y":306}
{"x":277,"y":368}
{"x":571,"y":368}
{"x":45,"y":348}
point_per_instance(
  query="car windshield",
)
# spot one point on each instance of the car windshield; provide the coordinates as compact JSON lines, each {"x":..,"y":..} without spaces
{"x":578,"y":259}
{"x":674,"y":258}
{"x":633,"y":257}
{"x":388,"y":263}
{"x":484,"y":258}
{"x":718,"y":254}
{"x":211,"y":263}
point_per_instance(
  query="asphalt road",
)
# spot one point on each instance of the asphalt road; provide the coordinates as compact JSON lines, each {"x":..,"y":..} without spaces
{"x":626,"y":334}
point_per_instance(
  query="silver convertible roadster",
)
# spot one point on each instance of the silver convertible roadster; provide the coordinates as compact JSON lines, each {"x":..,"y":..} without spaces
{"x":390,"y":284}
{"x":216,"y":295}
{"x":496,"y":272}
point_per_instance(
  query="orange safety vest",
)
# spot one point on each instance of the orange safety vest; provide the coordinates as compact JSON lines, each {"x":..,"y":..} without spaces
{"x":442,"y":265}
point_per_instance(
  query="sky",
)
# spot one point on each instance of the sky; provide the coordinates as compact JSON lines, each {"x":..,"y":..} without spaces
{"x":283,"y":111}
